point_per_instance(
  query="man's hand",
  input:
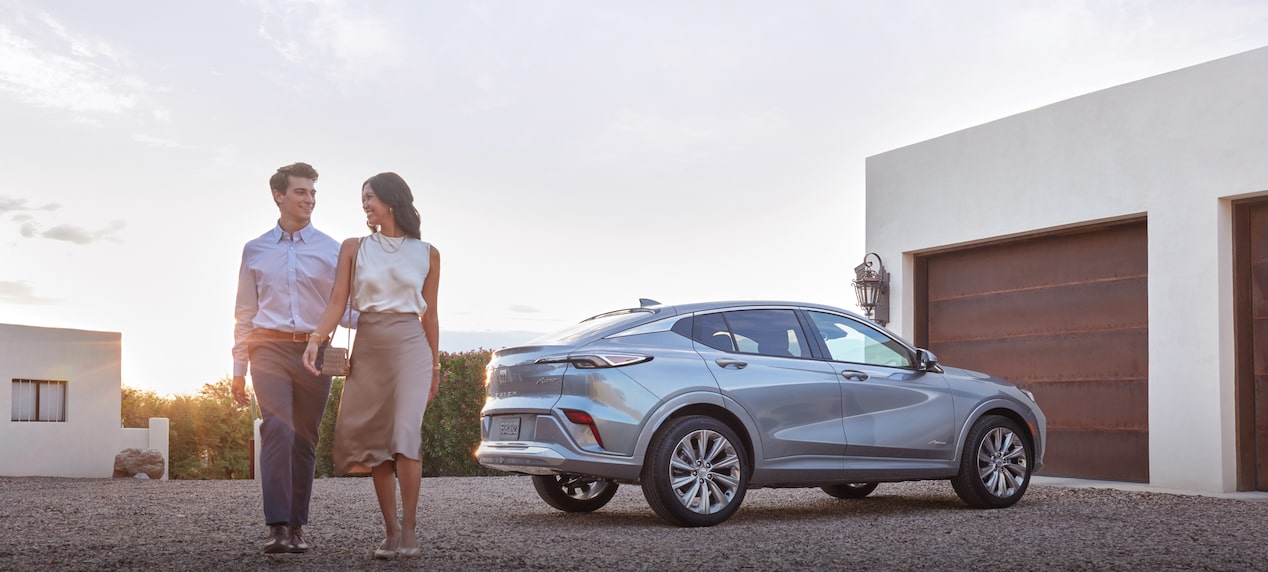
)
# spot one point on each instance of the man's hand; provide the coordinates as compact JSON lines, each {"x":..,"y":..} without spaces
{"x":239,"y":390}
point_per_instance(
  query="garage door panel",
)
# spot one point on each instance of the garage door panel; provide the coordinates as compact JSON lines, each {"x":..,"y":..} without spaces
{"x":1116,"y":252}
{"x":1251,"y":300}
{"x":1107,"y":405}
{"x":1116,"y":455}
{"x":1112,"y":304}
{"x":1260,"y":331}
{"x":1110,"y":356}
{"x":1066,"y":316}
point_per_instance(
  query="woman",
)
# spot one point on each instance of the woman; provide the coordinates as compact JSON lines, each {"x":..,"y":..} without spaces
{"x":393,"y":374}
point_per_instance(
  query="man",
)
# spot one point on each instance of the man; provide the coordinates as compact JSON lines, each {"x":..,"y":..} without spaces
{"x":284,"y":285}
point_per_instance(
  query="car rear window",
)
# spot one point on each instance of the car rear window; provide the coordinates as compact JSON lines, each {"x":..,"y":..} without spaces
{"x":590,"y":326}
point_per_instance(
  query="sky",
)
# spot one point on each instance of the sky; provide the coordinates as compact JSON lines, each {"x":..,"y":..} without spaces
{"x":568,"y":157}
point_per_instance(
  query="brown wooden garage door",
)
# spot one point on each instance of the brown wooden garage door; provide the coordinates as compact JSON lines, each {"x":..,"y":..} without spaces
{"x":1250,"y":249}
{"x":1065,"y":316}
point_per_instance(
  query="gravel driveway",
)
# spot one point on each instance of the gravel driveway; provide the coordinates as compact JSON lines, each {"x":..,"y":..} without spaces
{"x":498,"y":523}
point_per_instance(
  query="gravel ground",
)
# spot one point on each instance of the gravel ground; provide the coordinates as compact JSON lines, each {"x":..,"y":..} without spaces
{"x":498,"y":523}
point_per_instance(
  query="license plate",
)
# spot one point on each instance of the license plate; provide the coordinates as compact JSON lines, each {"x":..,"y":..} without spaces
{"x":507,"y":429}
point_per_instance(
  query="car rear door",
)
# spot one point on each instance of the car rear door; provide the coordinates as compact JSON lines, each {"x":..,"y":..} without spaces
{"x":761,"y":359}
{"x":891,"y":410}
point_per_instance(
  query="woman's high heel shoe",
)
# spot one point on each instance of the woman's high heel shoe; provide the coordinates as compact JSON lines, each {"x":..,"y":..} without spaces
{"x":387,"y":550}
{"x":410,"y":552}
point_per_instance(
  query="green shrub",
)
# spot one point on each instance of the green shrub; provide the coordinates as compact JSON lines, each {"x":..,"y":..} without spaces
{"x":451,"y":427}
{"x":326,"y":433}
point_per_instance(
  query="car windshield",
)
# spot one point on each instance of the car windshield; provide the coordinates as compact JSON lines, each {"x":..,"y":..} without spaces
{"x":589,"y":326}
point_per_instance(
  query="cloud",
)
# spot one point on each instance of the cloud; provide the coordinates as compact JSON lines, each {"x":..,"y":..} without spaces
{"x":14,"y":204}
{"x":522,"y":309}
{"x":20,"y":293}
{"x":328,"y":36}
{"x":71,"y":233}
{"x":44,"y":64}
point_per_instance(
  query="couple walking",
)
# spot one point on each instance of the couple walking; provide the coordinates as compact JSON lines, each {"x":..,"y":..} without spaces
{"x":295,"y":285}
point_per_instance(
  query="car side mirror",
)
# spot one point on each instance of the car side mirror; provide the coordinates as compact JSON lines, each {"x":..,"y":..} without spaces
{"x":926,"y":361}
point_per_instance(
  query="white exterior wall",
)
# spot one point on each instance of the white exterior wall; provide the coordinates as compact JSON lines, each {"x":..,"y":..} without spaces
{"x":1175,"y":148}
{"x":85,"y":444}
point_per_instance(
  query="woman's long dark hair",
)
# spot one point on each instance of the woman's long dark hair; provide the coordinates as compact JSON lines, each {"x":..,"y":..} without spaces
{"x":392,"y":191}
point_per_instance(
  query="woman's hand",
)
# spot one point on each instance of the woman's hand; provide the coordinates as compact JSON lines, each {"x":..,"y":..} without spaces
{"x":310,"y":357}
{"x":435,"y":383}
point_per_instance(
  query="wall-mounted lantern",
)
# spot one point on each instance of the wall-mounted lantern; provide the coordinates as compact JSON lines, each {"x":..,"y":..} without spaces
{"x":871,"y":286}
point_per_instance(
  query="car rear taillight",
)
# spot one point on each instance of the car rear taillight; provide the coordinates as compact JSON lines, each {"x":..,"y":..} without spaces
{"x":583,"y":418}
{"x":596,"y":361}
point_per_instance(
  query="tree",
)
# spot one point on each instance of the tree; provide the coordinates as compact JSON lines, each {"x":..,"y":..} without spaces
{"x":224,"y":430}
{"x":140,"y":405}
{"x":183,"y":452}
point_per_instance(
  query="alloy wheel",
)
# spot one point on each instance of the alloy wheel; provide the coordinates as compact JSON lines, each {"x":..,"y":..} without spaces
{"x":1001,"y":462}
{"x":705,"y":471}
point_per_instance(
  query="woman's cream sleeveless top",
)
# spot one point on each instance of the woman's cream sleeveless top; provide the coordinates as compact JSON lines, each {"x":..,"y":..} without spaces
{"x":390,"y":274}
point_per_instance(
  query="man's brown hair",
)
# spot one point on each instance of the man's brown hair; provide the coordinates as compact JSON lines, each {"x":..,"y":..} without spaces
{"x":279,"y":181}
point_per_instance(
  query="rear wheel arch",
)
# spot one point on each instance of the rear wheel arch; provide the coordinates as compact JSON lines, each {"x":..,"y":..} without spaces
{"x":719,"y":413}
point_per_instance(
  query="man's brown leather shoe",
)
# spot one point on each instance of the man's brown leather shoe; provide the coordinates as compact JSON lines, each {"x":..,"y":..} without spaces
{"x":279,"y":540}
{"x":298,"y":544}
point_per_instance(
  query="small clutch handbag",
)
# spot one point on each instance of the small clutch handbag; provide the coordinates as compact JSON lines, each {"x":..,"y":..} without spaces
{"x":334,"y":362}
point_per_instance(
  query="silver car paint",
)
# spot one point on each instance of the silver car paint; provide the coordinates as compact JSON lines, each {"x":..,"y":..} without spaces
{"x":901,"y":423}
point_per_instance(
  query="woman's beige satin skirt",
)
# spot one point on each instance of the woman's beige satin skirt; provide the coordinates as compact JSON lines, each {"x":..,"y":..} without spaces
{"x":385,"y":393}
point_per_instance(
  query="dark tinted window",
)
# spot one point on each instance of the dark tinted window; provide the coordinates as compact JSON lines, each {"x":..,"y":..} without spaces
{"x":767,"y":332}
{"x":682,"y":327}
{"x":711,"y":330}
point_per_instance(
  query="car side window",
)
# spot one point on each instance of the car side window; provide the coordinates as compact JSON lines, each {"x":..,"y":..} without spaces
{"x":711,"y":330}
{"x":848,"y":340}
{"x":767,"y":332}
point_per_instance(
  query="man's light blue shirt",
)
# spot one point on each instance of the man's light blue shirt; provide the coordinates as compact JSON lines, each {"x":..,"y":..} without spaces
{"x":284,"y":284}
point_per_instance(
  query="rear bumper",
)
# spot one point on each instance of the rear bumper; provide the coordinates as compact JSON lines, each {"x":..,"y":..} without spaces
{"x":553,"y":452}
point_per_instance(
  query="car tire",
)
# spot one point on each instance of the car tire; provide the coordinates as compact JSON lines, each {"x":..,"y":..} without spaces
{"x":995,"y":464}
{"x":696,"y":472}
{"x":574,"y":493}
{"x":850,"y":490}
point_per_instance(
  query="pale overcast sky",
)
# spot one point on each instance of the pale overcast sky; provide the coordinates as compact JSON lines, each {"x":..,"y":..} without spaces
{"x":568,"y":157}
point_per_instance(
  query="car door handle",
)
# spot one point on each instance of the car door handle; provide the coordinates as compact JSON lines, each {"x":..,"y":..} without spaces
{"x":723,"y":362}
{"x":854,"y":375}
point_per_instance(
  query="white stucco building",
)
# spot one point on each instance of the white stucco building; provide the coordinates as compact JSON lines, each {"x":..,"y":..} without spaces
{"x":1110,"y":253}
{"x":63,"y":393}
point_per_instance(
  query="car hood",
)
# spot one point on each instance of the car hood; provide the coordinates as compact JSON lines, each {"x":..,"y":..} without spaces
{"x":962,"y":373}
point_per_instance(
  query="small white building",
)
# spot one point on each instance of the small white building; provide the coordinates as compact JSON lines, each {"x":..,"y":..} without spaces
{"x":1110,"y":253}
{"x":63,"y":395}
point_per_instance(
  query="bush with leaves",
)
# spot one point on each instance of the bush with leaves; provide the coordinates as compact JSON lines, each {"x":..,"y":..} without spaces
{"x":209,"y":434}
{"x":451,"y":427}
{"x":326,"y":433}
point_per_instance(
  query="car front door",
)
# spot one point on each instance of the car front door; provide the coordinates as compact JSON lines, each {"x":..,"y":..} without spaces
{"x":891,"y":409}
{"x":762,"y":361}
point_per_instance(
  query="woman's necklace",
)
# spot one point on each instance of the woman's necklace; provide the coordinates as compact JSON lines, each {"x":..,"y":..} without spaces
{"x":384,"y":241}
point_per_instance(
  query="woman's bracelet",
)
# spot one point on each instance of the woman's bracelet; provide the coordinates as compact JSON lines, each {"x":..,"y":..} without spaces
{"x":315,"y":337}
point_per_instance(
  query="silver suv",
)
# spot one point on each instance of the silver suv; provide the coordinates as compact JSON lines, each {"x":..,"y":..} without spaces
{"x":700,"y":402}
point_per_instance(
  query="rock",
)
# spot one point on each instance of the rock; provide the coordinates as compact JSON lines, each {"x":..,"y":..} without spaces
{"x":136,"y":462}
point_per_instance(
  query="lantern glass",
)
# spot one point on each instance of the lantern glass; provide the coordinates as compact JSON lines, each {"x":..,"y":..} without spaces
{"x":867,"y":289}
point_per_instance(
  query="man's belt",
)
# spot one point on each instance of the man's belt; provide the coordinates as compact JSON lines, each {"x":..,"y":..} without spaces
{"x":267,"y":335}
